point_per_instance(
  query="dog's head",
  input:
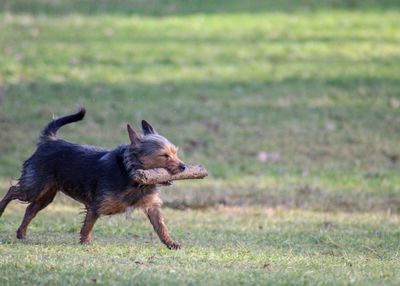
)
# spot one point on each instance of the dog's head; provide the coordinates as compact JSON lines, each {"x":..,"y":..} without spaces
{"x":155,"y":151}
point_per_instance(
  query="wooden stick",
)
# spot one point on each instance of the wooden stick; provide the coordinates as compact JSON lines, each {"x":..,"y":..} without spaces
{"x":160,"y":175}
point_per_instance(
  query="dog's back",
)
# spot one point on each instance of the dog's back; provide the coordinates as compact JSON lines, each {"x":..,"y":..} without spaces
{"x":77,"y":170}
{"x":71,"y":168}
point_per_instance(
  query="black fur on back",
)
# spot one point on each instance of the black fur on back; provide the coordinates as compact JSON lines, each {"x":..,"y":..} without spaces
{"x":84,"y":172}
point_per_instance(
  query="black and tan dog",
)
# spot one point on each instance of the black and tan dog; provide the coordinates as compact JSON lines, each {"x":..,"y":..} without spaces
{"x":96,"y":177}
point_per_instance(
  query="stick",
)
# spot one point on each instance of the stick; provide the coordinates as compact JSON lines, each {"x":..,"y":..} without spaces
{"x":160,"y":175}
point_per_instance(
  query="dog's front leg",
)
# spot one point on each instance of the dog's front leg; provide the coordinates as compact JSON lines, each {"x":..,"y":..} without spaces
{"x":157,"y":220}
{"x":86,"y":231}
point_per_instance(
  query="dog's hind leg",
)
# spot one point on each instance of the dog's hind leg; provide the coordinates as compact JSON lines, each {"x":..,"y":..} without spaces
{"x":40,"y":203}
{"x":12,"y":194}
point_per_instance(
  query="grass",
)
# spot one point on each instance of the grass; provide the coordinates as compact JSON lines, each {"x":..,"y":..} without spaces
{"x":318,"y":88}
{"x":222,"y":246}
{"x":293,"y":106}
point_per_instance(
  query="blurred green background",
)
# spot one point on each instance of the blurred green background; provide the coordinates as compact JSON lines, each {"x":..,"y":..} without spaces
{"x":293,"y":106}
{"x":291,"y":103}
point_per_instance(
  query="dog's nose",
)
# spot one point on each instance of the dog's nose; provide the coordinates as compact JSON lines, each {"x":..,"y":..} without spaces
{"x":182,"y":167}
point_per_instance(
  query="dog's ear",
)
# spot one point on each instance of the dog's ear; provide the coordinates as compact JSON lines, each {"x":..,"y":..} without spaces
{"x":133,"y":136}
{"x":147,"y":128}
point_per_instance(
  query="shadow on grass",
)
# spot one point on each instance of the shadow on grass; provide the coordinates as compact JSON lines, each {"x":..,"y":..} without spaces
{"x":252,"y":37}
{"x":181,"y":7}
{"x":72,"y":90}
{"x":28,"y":106}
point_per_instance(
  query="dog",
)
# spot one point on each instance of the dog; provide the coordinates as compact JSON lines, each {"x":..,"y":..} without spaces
{"x":97,"y":178}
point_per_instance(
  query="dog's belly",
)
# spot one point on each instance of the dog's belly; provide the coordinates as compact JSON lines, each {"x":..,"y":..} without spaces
{"x":76,"y":194}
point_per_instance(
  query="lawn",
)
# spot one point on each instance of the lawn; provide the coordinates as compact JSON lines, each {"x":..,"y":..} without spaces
{"x":227,"y":245}
{"x":293,"y":106}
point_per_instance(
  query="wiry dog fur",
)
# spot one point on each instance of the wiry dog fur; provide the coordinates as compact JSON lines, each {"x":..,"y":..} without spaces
{"x":96,"y":177}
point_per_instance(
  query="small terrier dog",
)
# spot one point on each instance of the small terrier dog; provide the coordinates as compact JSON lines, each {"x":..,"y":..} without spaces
{"x":96,"y":177}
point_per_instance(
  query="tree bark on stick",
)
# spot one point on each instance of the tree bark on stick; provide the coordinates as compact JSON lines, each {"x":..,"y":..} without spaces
{"x":160,"y":175}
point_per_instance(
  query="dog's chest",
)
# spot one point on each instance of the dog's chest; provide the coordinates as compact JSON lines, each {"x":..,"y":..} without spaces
{"x":114,"y":204}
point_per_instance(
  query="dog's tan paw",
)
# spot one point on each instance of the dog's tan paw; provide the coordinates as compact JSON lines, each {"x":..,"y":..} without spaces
{"x":174,"y":245}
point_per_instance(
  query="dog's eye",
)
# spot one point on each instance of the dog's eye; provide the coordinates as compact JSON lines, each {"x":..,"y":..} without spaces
{"x":165,"y":156}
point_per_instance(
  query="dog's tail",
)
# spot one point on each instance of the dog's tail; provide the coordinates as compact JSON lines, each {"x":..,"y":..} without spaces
{"x":54,"y":125}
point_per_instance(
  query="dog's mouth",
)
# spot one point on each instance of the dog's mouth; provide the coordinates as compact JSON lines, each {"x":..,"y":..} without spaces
{"x":177,"y":169}
{"x":174,"y":171}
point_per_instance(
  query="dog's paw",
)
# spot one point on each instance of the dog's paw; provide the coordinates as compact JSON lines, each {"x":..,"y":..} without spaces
{"x":85,"y":241}
{"x":21,"y":234}
{"x":174,"y":245}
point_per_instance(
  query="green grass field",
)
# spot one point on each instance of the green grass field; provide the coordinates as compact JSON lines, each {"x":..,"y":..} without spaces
{"x":293,"y":106}
{"x":230,"y":246}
